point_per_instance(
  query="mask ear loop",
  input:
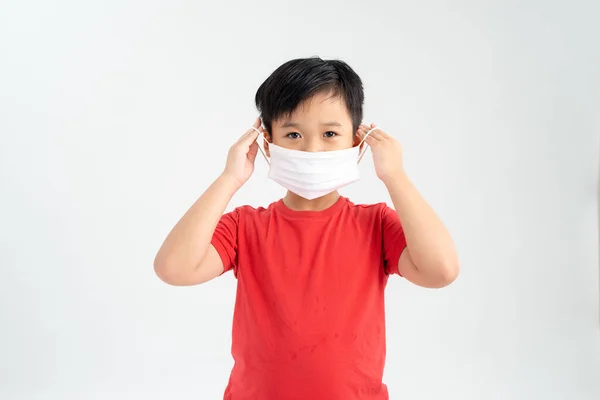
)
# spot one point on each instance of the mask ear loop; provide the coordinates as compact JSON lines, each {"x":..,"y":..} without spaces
{"x":260,"y":148}
{"x":362,"y":153}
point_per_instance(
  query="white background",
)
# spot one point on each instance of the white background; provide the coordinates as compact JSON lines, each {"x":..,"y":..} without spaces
{"x":116,"y":115}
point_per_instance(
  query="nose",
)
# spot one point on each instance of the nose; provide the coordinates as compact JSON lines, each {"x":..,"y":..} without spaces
{"x":313,"y":145}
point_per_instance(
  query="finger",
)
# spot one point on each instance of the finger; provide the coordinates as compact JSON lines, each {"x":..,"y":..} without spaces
{"x":257,"y":125}
{"x":369,"y":128}
{"x":362,"y":134}
{"x":363,"y":129}
{"x":248,"y":137}
{"x":381,"y":133}
{"x":252,"y":151}
{"x":371,"y":141}
{"x":248,"y":132}
{"x":375,"y":134}
{"x":263,"y":134}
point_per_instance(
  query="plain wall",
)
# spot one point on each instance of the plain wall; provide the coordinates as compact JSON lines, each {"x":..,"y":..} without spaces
{"x":116,"y":115}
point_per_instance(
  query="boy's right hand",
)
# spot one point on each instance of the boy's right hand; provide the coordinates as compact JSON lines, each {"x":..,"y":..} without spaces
{"x":240,"y":160}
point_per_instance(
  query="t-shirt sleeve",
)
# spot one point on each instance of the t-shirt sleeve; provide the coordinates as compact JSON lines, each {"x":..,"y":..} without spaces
{"x":394,"y":241}
{"x":225,"y":240}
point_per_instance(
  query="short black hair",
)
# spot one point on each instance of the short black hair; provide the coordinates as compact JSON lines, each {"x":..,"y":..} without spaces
{"x":298,"y":80}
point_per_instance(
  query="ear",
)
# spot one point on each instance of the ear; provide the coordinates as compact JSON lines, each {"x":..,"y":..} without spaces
{"x":357,"y":139}
{"x":266,"y":140}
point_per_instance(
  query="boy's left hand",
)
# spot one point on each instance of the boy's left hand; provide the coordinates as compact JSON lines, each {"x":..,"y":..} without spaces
{"x":387,"y":153}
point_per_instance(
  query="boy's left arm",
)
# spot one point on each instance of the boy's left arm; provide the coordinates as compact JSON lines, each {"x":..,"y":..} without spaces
{"x":430,"y":259}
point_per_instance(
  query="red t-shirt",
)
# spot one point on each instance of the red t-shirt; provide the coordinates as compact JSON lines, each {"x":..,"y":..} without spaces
{"x":309,"y":317}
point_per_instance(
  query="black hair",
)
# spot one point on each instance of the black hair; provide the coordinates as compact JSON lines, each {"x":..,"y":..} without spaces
{"x":298,"y":80}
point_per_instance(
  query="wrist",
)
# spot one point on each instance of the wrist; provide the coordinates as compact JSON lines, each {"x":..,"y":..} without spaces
{"x":229,"y":183}
{"x":397,"y":181}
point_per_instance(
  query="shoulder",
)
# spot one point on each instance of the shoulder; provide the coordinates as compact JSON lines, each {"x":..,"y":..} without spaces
{"x":376,"y":209}
{"x":249,"y":211}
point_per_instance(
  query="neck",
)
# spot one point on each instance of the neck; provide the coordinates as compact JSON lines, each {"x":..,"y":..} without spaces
{"x":297,"y":203}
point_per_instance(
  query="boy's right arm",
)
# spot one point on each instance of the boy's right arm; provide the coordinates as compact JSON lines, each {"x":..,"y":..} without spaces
{"x":186,"y":256}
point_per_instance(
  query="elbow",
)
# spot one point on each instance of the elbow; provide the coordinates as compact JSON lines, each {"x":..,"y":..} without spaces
{"x":165,"y":270}
{"x":448,"y":273}
{"x":161,"y":269}
{"x":176,"y":272}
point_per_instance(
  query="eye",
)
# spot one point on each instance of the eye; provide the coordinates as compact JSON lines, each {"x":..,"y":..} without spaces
{"x":330,"y":134}
{"x":293,"y":135}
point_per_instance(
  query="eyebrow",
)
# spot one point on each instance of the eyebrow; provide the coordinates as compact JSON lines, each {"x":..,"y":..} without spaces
{"x":289,"y":124}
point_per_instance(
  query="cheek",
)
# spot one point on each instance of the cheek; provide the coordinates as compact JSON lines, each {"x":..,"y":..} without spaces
{"x":276,"y":138}
{"x":348,"y":141}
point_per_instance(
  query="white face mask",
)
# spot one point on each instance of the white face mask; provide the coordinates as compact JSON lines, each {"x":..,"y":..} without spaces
{"x":314,"y":174}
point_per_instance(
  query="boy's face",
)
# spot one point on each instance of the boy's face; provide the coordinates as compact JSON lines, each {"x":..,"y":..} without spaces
{"x":322,"y":123}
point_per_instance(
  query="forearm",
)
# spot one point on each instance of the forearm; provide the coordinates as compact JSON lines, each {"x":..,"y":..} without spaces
{"x":187,"y":244}
{"x":429,"y":244}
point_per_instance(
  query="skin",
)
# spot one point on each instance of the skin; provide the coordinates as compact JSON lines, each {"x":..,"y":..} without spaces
{"x":322,"y":123}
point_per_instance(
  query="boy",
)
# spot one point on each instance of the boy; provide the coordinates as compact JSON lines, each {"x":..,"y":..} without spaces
{"x":311,"y":267}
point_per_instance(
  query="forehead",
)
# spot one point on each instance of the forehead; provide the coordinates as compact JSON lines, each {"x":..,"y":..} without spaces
{"x":320,"y":107}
